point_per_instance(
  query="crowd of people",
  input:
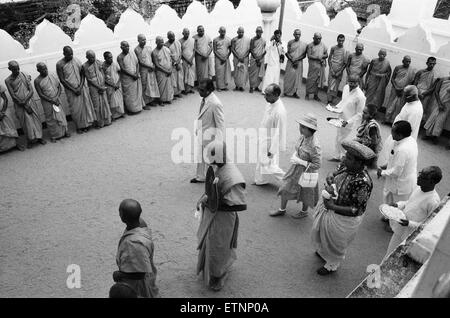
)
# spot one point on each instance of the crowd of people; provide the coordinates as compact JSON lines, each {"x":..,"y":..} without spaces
{"x":100,"y":92}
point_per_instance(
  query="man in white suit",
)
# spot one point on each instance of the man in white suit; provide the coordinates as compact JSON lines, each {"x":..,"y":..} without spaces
{"x":209,"y":126}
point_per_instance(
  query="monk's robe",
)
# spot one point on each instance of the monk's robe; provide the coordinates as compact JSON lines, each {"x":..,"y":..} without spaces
{"x":115,"y":97}
{"x":55,"y":118}
{"x":94,"y":73}
{"x":177,"y":75}
{"x":402,"y":77}
{"x":21,"y":87}
{"x":218,"y":232}
{"x":438,"y":117}
{"x":377,"y":80}
{"x":131,"y":89}
{"x":242,"y":47}
{"x":293,"y":77}
{"x":256,"y":73}
{"x":187,"y":49}
{"x":316,"y":68}
{"x":150,"y":88}
{"x":164,"y":82}
{"x":338,"y":60}
{"x":358,"y":64}
{"x":223,"y":71}
{"x":81,"y":107}
{"x":135,"y":255}
{"x":8,"y":131}
{"x":424,"y":81}
{"x":202,"y":45}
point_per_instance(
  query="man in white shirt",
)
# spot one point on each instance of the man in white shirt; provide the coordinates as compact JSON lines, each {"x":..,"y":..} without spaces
{"x":422,"y":202}
{"x":412,"y":111}
{"x":274,"y":59}
{"x":351,"y":108}
{"x":272,"y":137}
{"x":400,"y":172}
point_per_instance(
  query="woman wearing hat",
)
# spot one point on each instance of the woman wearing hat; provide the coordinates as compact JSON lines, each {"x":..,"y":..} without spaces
{"x":307,"y":157}
{"x":336,"y":221}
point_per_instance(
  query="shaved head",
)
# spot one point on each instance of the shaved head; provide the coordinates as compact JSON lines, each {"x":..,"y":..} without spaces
{"x":13,"y":64}
{"x":130,"y":211}
{"x":141,"y":37}
{"x":40,"y":65}
{"x":90,"y":53}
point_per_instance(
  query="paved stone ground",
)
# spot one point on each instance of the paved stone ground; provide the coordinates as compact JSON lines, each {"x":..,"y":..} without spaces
{"x":59,"y":206}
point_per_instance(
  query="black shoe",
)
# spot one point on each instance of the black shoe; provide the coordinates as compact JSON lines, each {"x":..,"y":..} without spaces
{"x":196,"y":181}
{"x":323,"y":271}
{"x":318,"y":255}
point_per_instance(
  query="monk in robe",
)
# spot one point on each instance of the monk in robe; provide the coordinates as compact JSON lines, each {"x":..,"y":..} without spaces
{"x":296,"y":53}
{"x":274,"y":59}
{"x":113,"y":86}
{"x":337,"y":61}
{"x":240,"y":47}
{"x":357,"y":63}
{"x":21,"y":91}
{"x":424,"y":81}
{"x":150,"y":90}
{"x":163,"y":64}
{"x":49,"y":90}
{"x":377,"y":79}
{"x":93,"y":72}
{"x":439,"y":110}
{"x":71,"y":76}
{"x":257,"y":68}
{"x":222,"y":52}
{"x":402,"y":76}
{"x":218,"y":230}
{"x":188,"y":58}
{"x":202,"y":48}
{"x":317,"y":55}
{"x":131,"y":80}
{"x":177,"y":71}
{"x":8,"y":131}
{"x":135,"y":252}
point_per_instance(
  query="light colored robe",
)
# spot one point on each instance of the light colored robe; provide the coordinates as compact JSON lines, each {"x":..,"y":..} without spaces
{"x":150,"y":88}
{"x":242,"y":47}
{"x":115,"y":97}
{"x":435,"y":123}
{"x":256,"y":73}
{"x":8,"y":131}
{"x":56,"y":121}
{"x":272,"y":75}
{"x":358,"y":65}
{"x":203,"y":45}
{"x":338,"y":60}
{"x":94,"y":73}
{"x":81,"y":106}
{"x":131,"y":89}
{"x":165,"y":83}
{"x":177,"y":75}
{"x":424,"y":81}
{"x":403,"y":77}
{"x":187,"y":49}
{"x":223,"y":71}
{"x":31,"y":123}
{"x":272,"y":139}
{"x":316,"y":68}
{"x":293,"y":78}
{"x":377,"y":80}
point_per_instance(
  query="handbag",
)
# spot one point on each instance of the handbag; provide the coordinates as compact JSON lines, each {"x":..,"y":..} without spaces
{"x":308,"y":179}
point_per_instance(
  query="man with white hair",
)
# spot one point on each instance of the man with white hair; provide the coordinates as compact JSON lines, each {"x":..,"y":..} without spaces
{"x":412,"y":111}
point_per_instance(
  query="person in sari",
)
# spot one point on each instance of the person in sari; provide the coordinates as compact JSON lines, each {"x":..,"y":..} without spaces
{"x":135,"y":252}
{"x":113,"y":86}
{"x":424,"y":81}
{"x":257,"y":68}
{"x":336,"y":221}
{"x":317,"y":54}
{"x":439,"y":110}
{"x":95,"y":78}
{"x":306,"y":158}
{"x":296,"y":53}
{"x":71,"y":76}
{"x":8,"y":131}
{"x":21,"y":91}
{"x":177,"y":69}
{"x":357,"y":63}
{"x":218,"y":231}
{"x":202,"y":48}
{"x":49,"y":90}
{"x":369,"y":133}
{"x":272,"y":139}
{"x":377,"y":78}
{"x":337,"y":62}
{"x":402,"y":76}
{"x":240,"y":47}
{"x":150,"y":89}
{"x":188,"y":57}
{"x":274,"y":59}
{"x":222,"y":52}
{"x":163,"y":64}
{"x":130,"y":79}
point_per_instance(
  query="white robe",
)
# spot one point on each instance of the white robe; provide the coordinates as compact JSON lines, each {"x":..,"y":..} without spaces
{"x":273,"y":65}
{"x":412,"y":113}
{"x":272,"y":138}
